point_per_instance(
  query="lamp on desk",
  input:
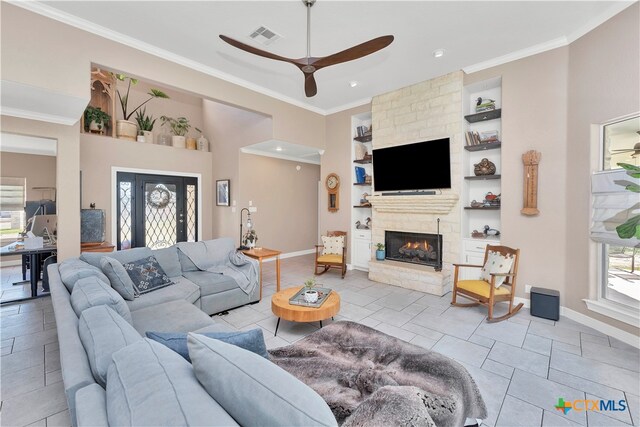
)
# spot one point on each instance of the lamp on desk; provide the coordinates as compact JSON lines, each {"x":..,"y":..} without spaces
{"x":249,"y":226}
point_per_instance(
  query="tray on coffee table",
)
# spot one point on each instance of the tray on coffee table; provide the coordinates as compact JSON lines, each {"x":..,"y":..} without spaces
{"x":298,"y":298}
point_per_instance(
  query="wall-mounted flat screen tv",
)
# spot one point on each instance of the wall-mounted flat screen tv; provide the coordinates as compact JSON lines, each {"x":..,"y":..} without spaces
{"x":419,"y":166}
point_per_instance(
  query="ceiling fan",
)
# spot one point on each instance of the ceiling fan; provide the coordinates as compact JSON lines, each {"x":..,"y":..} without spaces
{"x":309,"y":64}
{"x":635,"y":150}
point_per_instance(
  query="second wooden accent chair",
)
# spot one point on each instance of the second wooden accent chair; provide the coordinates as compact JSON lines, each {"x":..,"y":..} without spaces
{"x":484,"y":291}
{"x":332,"y":255}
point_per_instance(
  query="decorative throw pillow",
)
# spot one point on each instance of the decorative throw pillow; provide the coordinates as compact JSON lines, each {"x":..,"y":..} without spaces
{"x":252,"y":340}
{"x":332,"y":245}
{"x":118,"y":277}
{"x":496,"y":263}
{"x":147,"y":275}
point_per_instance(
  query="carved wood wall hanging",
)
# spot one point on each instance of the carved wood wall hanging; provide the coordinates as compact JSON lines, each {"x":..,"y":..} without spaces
{"x":531,"y":160}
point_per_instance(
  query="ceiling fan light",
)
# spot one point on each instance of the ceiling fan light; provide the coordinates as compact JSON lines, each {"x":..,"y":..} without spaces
{"x":438,"y":53}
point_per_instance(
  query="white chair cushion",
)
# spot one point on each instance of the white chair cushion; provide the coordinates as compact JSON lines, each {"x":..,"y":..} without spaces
{"x":332,"y":245}
{"x":496,"y":263}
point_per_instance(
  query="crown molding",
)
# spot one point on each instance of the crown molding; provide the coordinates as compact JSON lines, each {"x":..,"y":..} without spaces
{"x":278,"y":156}
{"x":82,"y":24}
{"x":348,"y":106}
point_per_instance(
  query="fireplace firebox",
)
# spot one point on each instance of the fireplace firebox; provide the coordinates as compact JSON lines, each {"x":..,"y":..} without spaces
{"x":415,"y":248}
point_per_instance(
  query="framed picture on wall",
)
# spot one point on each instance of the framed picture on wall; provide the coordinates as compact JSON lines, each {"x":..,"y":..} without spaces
{"x":222,"y":192}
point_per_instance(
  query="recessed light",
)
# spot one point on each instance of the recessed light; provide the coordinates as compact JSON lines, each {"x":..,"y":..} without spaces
{"x":278,"y":148}
{"x":353,"y":83}
{"x":438,"y":53}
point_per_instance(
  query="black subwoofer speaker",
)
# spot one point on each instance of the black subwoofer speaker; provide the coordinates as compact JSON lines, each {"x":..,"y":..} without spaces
{"x":545,"y":303}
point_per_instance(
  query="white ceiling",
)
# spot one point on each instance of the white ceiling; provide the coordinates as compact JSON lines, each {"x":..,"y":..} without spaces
{"x":475,"y":34}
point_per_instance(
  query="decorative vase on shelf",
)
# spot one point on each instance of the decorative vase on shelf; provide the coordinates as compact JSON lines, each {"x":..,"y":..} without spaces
{"x":191,"y":144}
{"x":203,"y":143}
{"x":141,"y":138}
{"x":126,"y":129}
{"x":178,"y":141}
{"x":164,"y":139}
{"x":148,"y":136}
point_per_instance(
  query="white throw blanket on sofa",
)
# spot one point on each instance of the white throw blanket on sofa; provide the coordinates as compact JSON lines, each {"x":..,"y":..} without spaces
{"x":206,"y":255}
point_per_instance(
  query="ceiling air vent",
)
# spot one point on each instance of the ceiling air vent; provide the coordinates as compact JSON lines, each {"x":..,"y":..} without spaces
{"x":264,"y":36}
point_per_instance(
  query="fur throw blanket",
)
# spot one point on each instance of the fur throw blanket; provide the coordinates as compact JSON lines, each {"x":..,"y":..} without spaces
{"x":370,"y":378}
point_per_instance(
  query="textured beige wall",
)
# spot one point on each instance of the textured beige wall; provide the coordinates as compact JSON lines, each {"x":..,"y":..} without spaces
{"x":67,"y":176}
{"x":98,"y":155}
{"x":604,"y":84}
{"x":337,"y":159}
{"x":534,"y":117}
{"x":287,"y":201}
{"x":40,"y":171}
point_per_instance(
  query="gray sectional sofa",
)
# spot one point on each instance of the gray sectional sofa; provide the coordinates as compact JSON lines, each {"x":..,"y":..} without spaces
{"x":112,"y":374}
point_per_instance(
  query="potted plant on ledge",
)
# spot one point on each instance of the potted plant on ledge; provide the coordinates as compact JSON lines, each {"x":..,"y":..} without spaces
{"x":125,"y":128}
{"x":380,"y":251}
{"x":96,"y":120}
{"x":145,"y":123}
{"x":179,"y":128}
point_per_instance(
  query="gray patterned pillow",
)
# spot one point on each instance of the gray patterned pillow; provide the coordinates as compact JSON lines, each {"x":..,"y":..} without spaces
{"x":147,"y":275}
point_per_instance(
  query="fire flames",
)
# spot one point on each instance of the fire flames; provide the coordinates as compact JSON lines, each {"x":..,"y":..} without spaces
{"x":424,"y":246}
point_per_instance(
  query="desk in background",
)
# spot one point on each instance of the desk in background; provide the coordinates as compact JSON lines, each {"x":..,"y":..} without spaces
{"x":34,"y":260}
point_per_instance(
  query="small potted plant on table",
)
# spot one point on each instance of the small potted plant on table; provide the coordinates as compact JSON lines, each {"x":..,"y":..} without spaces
{"x":310,"y":294}
{"x":179,"y":128}
{"x":96,"y":120}
{"x":127,"y":129}
{"x":380,"y":251}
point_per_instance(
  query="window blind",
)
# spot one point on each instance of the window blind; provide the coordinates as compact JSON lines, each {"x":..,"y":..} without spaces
{"x":612,"y":205}
{"x":12,"y":194}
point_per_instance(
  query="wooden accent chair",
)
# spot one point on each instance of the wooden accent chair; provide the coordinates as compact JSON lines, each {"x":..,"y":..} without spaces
{"x":484,"y":292}
{"x":331,"y":260}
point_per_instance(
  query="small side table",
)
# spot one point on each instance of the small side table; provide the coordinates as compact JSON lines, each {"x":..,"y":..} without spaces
{"x":264,"y":253}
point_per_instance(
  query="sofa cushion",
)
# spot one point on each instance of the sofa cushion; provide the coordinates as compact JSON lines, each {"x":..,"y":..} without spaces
{"x":185,"y":263}
{"x":171,"y":316}
{"x":230,"y":374}
{"x":211,"y":283}
{"x":147,"y":275}
{"x":168,"y":260}
{"x":150,"y":385}
{"x":91,"y":291}
{"x":73,"y":269}
{"x":125,"y":256}
{"x":251,"y":340}
{"x":92,"y":406}
{"x":118,"y":277}
{"x":103,"y":332}
{"x":182,"y":289}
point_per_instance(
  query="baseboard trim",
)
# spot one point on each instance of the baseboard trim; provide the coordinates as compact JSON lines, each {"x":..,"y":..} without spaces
{"x":292,"y":254}
{"x":598,"y":325}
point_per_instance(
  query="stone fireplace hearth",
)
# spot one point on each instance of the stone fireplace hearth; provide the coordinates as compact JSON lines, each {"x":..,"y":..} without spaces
{"x":425,"y":111}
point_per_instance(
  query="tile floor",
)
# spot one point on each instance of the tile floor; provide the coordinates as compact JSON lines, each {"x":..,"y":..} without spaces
{"x":522,"y":366}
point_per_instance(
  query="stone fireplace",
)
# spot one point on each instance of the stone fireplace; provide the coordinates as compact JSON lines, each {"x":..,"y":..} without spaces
{"x":425,"y":111}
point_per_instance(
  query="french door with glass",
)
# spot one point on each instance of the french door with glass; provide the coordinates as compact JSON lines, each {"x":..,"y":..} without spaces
{"x":156,"y":210}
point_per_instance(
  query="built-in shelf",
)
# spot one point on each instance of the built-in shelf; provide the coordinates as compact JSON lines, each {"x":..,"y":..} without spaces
{"x":484,"y":116}
{"x":481,"y":177}
{"x":363,"y":207}
{"x":366,"y":138}
{"x":363,"y":161}
{"x":481,"y":147}
{"x":489,"y":208}
{"x":362,"y":185}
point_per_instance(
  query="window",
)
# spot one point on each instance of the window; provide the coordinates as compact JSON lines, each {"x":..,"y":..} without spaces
{"x":12,"y":216}
{"x":614,"y":218}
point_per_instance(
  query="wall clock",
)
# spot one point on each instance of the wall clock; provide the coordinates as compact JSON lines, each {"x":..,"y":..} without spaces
{"x":333,"y":186}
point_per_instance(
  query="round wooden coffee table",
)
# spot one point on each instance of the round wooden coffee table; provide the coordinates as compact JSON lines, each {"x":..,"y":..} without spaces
{"x":298,"y":313}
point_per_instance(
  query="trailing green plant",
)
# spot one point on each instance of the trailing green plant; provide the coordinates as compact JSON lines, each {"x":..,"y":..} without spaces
{"x":310,"y":283}
{"x":631,"y":228}
{"x":179,"y":126}
{"x":95,"y":114}
{"x":380,"y":246}
{"x":145,"y":122}
{"x":124,"y":100}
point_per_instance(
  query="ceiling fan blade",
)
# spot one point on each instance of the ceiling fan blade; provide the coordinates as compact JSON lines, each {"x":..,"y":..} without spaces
{"x":355,"y":52}
{"x":310,"y":87}
{"x":255,"y":51}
